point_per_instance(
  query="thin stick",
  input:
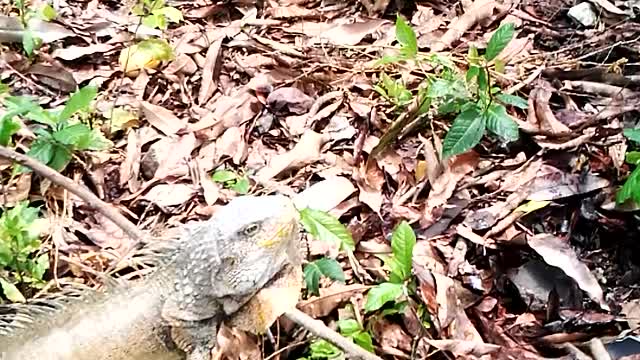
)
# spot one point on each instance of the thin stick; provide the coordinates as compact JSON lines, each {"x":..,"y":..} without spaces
{"x":316,"y":327}
{"x":79,"y":190}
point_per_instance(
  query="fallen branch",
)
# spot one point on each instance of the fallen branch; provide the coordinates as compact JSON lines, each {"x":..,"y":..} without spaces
{"x":314,"y":326}
{"x":79,"y":190}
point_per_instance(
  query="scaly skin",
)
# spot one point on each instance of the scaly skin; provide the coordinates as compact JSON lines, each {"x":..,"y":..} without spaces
{"x":172,"y":314}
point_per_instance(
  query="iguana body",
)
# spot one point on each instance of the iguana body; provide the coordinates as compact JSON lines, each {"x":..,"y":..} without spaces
{"x":214,"y":269}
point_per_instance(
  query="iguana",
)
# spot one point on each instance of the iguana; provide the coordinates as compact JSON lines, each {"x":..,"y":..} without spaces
{"x":203,"y":276}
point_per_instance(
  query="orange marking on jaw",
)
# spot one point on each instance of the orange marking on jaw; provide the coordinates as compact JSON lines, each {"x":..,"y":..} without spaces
{"x":283,"y":232}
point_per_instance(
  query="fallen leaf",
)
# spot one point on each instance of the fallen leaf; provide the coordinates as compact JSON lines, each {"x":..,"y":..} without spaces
{"x":175,"y":161}
{"x":209,"y":72}
{"x":161,"y":118}
{"x":325,"y":195}
{"x":75,"y":52}
{"x":350,"y":34}
{"x":289,"y":100}
{"x":305,"y":152}
{"x":559,"y":253}
{"x":463,"y":348}
{"x":170,"y":194}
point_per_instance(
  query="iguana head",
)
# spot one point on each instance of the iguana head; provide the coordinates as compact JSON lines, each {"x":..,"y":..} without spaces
{"x":227,"y":259}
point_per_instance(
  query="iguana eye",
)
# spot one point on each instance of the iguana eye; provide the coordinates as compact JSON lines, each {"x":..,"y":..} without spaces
{"x":251,"y":229}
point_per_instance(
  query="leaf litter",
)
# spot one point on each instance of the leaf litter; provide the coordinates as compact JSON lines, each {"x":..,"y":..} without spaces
{"x":523,"y":241}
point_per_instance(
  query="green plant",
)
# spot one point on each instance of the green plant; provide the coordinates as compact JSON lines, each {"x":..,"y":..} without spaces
{"x":322,"y":349}
{"x":231,"y":180}
{"x":59,"y":134}
{"x":19,"y":243}
{"x":484,"y":106}
{"x":353,"y":330}
{"x":403,"y":241}
{"x":478,"y":105}
{"x":631,"y":187}
{"x":155,"y":13}
{"x":46,"y":12}
{"x":325,"y":227}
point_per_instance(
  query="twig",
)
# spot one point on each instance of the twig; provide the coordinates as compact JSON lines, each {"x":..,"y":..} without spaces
{"x":320,"y":329}
{"x":297,"y":316}
{"x":79,"y":190}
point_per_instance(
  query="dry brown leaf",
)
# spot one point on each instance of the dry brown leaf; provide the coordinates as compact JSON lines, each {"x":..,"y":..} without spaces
{"x":305,"y":152}
{"x":289,"y":100}
{"x":463,"y":348}
{"x":75,"y":52}
{"x":235,"y":344}
{"x":292,"y":11}
{"x":17,"y":191}
{"x":176,"y":160}
{"x":446,"y":183}
{"x":476,"y":12}
{"x":350,"y":34}
{"x":391,"y":336}
{"x":130,"y":169}
{"x":559,"y":253}
{"x":228,"y":111}
{"x":551,"y":184}
{"x":370,"y":179}
{"x":330,"y":298}
{"x":325,"y":195}
{"x":107,"y":235}
{"x":170,"y":194}
{"x":54,"y":76}
{"x":209,"y":72}
{"x":162,"y":119}
{"x":540,"y":115}
{"x":232,"y":144}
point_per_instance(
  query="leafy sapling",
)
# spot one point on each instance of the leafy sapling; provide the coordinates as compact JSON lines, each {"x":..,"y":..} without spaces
{"x":485,"y":108}
{"x":20,"y":229}
{"x":325,"y":227}
{"x":631,"y":188}
{"x":59,"y":135}
{"x":403,"y":240}
{"x":155,"y":14}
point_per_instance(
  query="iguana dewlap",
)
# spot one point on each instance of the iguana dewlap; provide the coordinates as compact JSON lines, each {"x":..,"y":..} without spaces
{"x":212,"y":270}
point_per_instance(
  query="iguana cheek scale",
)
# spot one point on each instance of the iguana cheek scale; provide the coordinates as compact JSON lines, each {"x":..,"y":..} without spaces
{"x":201,"y":278}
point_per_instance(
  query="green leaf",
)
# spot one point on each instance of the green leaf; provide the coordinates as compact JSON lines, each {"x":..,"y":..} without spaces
{"x":382,"y":294}
{"x":632,"y":134}
{"x":41,"y":265}
{"x":513,"y":100}
{"x":80,"y":100}
{"x":8,"y":127}
{"x":403,"y":241}
{"x":61,"y":157}
{"x":47,"y":12}
{"x":157,"y":49}
{"x":500,"y":123}
{"x":364,"y":340}
{"x":322,"y":349}
{"x":406,"y":36}
{"x":499,"y":40}
{"x":631,"y":188}
{"x":321,"y":267}
{"x":222,"y":176}
{"x":472,"y":73}
{"x":11,"y":291}
{"x":483,"y":80}
{"x":154,"y":21}
{"x":465,"y":133}
{"x":326,"y":227}
{"x":633,"y":157}
{"x":241,"y":186}
{"x":41,"y":150}
{"x":81,"y":137}
{"x":349,"y":327}
{"x":29,"y":42}
{"x":172,"y":14}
